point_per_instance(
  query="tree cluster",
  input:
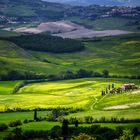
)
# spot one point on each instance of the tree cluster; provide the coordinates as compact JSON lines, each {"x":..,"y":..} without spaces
{"x":91,"y":120}
{"x":81,"y":73}
{"x":47,"y":43}
{"x":16,"y":75}
{"x":94,"y":132}
{"x":108,"y":89}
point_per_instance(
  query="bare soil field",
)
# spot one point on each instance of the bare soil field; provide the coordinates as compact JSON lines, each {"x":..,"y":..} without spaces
{"x":87,"y":33}
{"x":52,"y":27}
{"x":135,"y":92}
{"x":123,"y":106}
{"x":67,"y":29}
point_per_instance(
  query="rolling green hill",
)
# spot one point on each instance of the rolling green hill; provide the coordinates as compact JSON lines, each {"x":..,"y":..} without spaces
{"x":79,"y":93}
{"x":4,"y":33}
{"x":13,"y":57}
{"x":110,"y":23}
{"x":120,"y":55}
{"x":82,"y":98}
{"x":33,"y":11}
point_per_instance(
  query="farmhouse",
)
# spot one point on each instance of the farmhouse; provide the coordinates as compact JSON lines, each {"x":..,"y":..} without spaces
{"x":128,"y":86}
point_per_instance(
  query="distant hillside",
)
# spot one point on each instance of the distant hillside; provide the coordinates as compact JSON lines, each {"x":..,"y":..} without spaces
{"x":16,"y":61}
{"x":31,"y":9}
{"x":100,"y":2}
{"x":25,"y":13}
{"x":4,"y":33}
{"x":120,"y":55}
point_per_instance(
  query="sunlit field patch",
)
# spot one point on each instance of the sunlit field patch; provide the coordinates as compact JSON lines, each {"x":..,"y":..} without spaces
{"x":79,"y":93}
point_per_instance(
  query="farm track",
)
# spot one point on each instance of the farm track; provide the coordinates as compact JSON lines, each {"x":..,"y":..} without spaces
{"x":97,"y":101}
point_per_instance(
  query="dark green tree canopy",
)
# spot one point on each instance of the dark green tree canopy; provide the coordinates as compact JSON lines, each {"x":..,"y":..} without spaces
{"x":47,"y":43}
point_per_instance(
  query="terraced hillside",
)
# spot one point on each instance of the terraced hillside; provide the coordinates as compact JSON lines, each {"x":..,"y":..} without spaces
{"x":120,"y":55}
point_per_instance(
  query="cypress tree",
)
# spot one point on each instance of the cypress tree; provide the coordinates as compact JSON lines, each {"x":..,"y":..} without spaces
{"x":65,"y":129}
{"x":76,"y":123}
{"x":35,"y":114}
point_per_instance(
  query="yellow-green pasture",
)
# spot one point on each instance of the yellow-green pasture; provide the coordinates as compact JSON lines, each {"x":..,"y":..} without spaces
{"x":79,"y":93}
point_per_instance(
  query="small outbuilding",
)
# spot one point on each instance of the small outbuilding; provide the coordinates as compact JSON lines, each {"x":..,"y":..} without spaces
{"x":129,"y":86}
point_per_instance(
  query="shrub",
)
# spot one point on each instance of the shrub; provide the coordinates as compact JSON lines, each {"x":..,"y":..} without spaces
{"x":15,"y":123}
{"x":88,"y":119}
{"x":137,"y":138}
{"x":105,"y":73}
{"x":55,"y":132}
{"x":15,"y":135}
{"x":127,"y":135}
{"x":3,"y":127}
{"x":25,"y":121}
{"x":31,"y":134}
{"x":31,"y":120}
{"x":93,"y":128}
{"x":18,"y":86}
{"x":84,"y":136}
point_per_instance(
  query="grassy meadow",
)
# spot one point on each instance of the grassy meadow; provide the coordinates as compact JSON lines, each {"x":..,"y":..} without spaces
{"x":79,"y":93}
{"x":71,"y":99}
{"x":44,"y":125}
{"x":110,"y":23}
{"x":119,"y":54}
{"x":4,"y":33}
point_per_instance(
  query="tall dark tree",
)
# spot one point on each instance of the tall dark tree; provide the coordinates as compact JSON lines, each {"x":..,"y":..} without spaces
{"x":35,"y":114}
{"x":113,"y":86}
{"x":109,"y":86}
{"x":103,"y":93}
{"x":106,"y":90}
{"x":65,"y":129}
{"x":76,"y":123}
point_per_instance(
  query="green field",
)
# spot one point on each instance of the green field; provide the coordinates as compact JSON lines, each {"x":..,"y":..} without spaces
{"x":6,"y":87}
{"x":4,"y":33}
{"x":80,"y":93}
{"x":44,"y":125}
{"x":110,"y":23}
{"x":73,"y":98}
{"x":13,"y":57}
{"x":120,"y":55}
